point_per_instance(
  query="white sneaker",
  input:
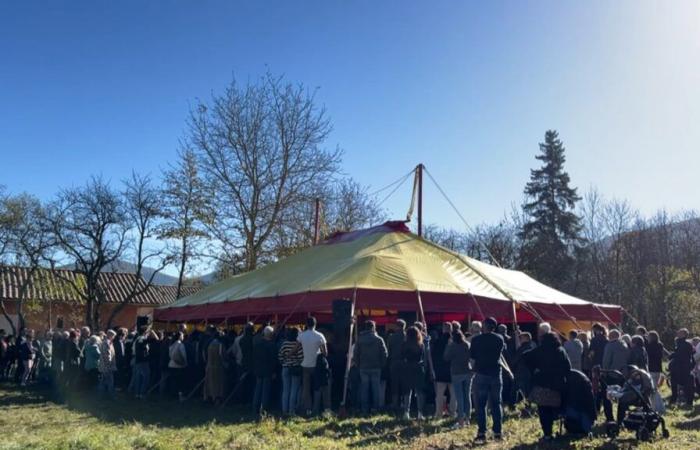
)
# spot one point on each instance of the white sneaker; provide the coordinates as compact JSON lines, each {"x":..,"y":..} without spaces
{"x":420,"y":416}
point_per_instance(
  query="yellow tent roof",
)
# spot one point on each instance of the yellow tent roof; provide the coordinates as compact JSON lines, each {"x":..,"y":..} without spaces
{"x":380,"y":260}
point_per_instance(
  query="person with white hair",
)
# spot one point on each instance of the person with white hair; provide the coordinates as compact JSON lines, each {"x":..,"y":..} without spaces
{"x":92,"y":356}
{"x":107,"y":365}
{"x":544,"y":328}
{"x":474,"y":329}
{"x":616,"y":354}
{"x":264,"y":367}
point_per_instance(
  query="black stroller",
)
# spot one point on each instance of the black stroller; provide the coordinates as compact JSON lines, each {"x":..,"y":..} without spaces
{"x":642,"y":419}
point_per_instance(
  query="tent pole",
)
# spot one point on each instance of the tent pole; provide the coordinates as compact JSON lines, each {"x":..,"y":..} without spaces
{"x":425,"y":330}
{"x":478,"y":308}
{"x":419,"y":173}
{"x":348,"y":357}
{"x":612,"y":321}
{"x":516,"y":329}
{"x":571,"y":318}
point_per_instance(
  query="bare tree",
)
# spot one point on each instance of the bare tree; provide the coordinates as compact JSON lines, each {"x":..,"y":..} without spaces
{"x":26,"y":244}
{"x":89,"y":226}
{"x":259,"y":148}
{"x":142,"y":212}
{"x":344,"y":206}
{"x":185,"y":211}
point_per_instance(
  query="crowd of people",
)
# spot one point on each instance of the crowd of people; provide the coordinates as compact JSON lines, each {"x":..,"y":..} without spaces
{"x":414,"y":371}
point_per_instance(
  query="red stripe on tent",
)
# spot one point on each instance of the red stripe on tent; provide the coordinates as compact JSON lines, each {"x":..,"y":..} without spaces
{"x":436,"y":306}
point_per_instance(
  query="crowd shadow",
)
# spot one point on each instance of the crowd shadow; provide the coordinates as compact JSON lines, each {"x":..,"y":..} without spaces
{"x":123,"y":409}
{"x":384,"y":430}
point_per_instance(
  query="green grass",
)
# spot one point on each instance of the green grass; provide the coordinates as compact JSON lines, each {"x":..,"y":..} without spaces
{"x":29,"y":421}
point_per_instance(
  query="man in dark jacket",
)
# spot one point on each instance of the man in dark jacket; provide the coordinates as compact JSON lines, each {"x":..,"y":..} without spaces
{"x":598,"y":344}
{"x":264,"y":366}
{"x":121,"y":358}
{"x":487,"y":351}
{"x":394,"y":344}
{"x":680,"y":367}
{"x":370,"y":355}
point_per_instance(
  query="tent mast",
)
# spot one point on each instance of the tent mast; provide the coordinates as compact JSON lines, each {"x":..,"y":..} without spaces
{"x":419,"y":176}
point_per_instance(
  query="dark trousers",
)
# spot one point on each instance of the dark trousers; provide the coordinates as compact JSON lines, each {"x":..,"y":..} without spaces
{"x":261,"y":397}
{"x":547,"y":416}
{"x":682,"y":379}
{"x":602,"y":399}
{"x":488,"y":392}
{"x":395,"y":383}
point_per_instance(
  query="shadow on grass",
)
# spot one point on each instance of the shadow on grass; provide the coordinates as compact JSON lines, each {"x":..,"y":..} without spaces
{"x":376,"y":430}
{"x":165,"y":413}
{"x":21,"y":398}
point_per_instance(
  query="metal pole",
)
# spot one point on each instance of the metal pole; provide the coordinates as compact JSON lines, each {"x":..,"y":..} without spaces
{"x":348,"y":357}
{"x":420,"y":199}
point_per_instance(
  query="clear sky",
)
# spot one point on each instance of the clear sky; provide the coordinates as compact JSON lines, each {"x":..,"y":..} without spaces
{"x":468,"y":88}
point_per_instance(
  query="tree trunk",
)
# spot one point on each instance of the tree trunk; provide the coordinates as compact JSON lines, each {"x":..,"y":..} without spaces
{"x":183,"y":262}
{"x":8,"y":318}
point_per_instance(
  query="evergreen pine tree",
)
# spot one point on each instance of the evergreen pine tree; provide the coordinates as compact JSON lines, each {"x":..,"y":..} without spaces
{"x":551,"y":233}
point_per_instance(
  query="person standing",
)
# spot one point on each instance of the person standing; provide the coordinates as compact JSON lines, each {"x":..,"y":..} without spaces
{"x":178,"y":364}
{"x":413,"y":375}
{"x":586,"y":361}
{"x":215,"y":372}
{"x":487,"y":351}
{"x":521,"y":372}
{"x":655,"y":354}
{"x":264,"y":366}
{"x":27,"y":356}
{"x":550,"y":366}
{"x":457,"y":354}
{"x":370,"y":355}
{"x":616,"y":354}
{"x":443,"y":380}
{"x":107,"y":365}
{"x":598,"y":343}
{"x":638,"y":353}
{"x":121,"y":376}
{"x":91,"y":351}
{"x":142,"y":366}
{"x":291,"y":356}
{"x":394,"y":345}
{"x":574,"y":350}
{"x":73,"y":357}
{"x":312,"y":343}
{"x":681,"y":365}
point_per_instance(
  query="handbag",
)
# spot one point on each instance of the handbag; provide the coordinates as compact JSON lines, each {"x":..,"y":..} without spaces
{"x":543,"y":396}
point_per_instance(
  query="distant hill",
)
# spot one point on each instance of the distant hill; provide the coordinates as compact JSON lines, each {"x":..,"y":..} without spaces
{"x":161,"y":279}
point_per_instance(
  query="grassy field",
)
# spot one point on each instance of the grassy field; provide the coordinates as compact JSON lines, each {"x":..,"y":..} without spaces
{"x":29,"y":421}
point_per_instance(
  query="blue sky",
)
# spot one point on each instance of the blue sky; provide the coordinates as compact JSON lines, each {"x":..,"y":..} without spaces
{"x":467,"y":88}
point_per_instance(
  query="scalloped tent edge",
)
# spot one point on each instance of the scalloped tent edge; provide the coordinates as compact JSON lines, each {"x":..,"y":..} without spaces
{"x":384,"y":267}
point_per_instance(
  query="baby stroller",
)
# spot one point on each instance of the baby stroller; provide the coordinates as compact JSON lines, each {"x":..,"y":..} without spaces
{"x":642,"y":419}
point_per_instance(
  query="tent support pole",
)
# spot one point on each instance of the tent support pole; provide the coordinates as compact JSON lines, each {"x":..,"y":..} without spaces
{"x":571,"y":318}
{"x":612,"y":321}
{"x":419,"y":177}
{"x":516,"y":329}
{"x":348,"y":356}
{"x":425,"y":330}
{"x":478,"y":308}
